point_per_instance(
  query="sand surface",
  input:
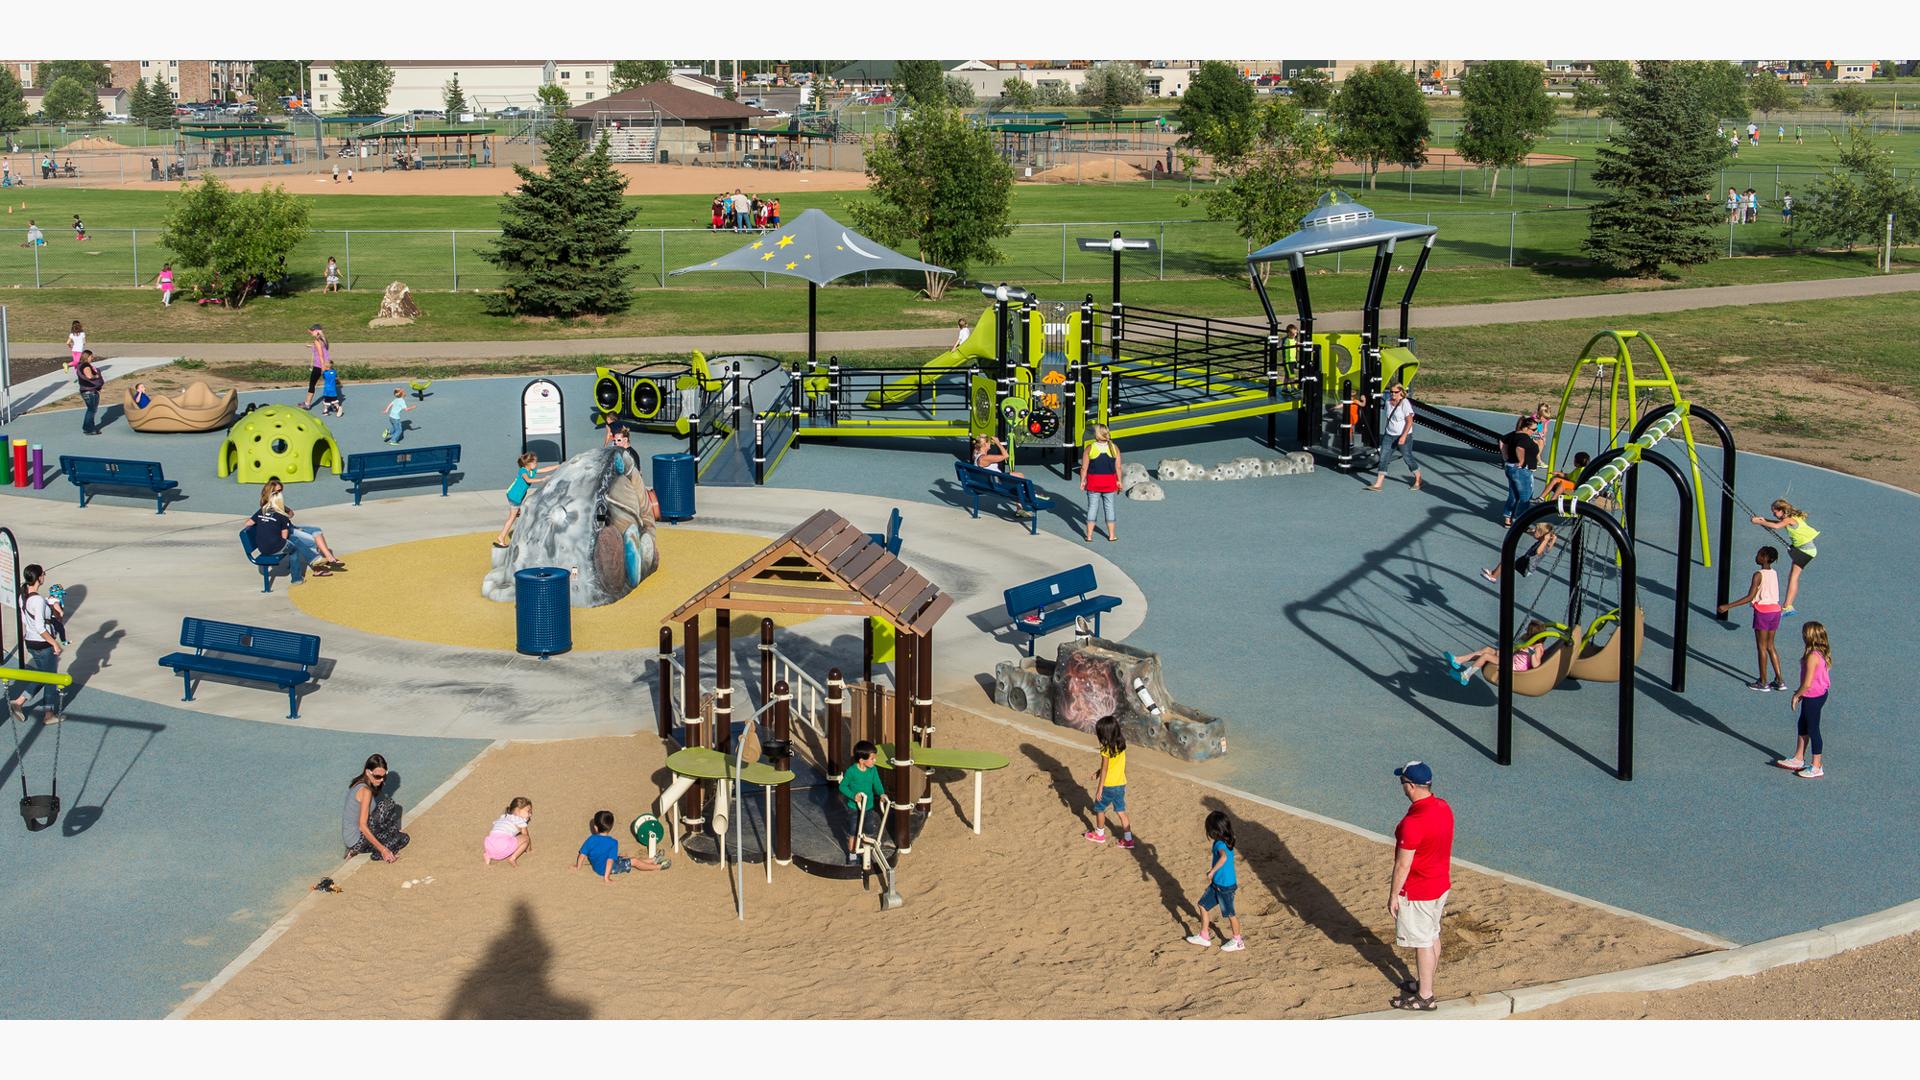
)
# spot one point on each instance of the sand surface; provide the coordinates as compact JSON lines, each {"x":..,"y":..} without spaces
{"x":1026,"y":921}
{"x":502,"y":180}
{"x":1872,"y":983}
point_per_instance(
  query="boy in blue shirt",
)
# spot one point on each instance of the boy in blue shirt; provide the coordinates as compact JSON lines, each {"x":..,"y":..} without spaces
{"x":396,"y":428}
{"x":331,"y":400}
{"x":602,"y":852}
{"x":861,"y":781}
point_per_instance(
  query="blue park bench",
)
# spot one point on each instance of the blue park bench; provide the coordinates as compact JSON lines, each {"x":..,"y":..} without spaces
{"x":1033,"y":605}
{"x":85,"y":472}
{"x":977,"y":481}
{"x":266,"y":563}
{"x":891,"y":538}
{"x":386,"y":464}
{"x":291,"y":656}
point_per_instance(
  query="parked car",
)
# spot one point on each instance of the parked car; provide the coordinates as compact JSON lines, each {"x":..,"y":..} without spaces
{"x":118,"y":118}
{"x":512,"y":112}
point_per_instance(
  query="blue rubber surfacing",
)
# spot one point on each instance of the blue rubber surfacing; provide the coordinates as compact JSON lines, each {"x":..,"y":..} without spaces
{"x":1314,"y":616}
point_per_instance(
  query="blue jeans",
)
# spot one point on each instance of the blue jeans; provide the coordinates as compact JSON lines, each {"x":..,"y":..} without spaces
{"x":92,"y":398}
{"x":45,"y":660}
{"x":304,"y":552}
{"x":1519,"y":490}
{"x":396,"y":428}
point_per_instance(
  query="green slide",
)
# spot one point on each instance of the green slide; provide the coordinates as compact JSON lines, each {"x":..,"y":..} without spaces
{"x":978,"y":346}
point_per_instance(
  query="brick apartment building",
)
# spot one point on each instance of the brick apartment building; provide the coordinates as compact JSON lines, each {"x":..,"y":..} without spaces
{"x":190,"y":80}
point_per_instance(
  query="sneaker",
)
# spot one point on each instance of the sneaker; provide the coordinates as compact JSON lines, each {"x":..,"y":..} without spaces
{"x":1197,"y":939}
{"x":1464,"y":677}
{"x":1235,"y":945}
{"x":853,"y":857}
{"x":1760,"y":686}
{"x":1454,"y":664}
{"x":1793,"y":764}
{"x":1778,"y":686}
{"x":1098,"y":836}
{"x":1787,"y":612}
{"x":386,"y":437}
{"x":663,"y":862}
{"x":1125,"y":844}
{"x":1811,"y":772}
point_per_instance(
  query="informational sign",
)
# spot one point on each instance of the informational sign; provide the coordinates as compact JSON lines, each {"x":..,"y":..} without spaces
{"x":543,"y":426}
{"x":8,"y":569}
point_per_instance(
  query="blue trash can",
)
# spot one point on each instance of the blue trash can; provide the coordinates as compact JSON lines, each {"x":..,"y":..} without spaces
{"x":673,"y":477}
{"x":542,"y":614}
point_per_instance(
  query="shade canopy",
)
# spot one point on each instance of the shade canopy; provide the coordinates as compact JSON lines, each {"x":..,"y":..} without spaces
{"x":815,"y":247}
{"x":1337,"y":223}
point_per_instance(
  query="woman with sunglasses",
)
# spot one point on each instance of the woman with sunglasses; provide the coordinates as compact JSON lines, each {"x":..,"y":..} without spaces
{"x":372,"y":823}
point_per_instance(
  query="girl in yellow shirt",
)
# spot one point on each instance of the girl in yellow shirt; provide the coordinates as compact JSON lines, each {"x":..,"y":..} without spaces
{"x":1110,"y":782}
{"x":1792,"y":520}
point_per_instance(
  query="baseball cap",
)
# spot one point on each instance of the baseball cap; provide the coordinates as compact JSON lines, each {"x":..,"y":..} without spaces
{"x":1415,"y":772}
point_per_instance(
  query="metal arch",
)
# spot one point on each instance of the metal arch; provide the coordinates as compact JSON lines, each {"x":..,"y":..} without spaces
{"x":1682,"y":557}
{"x":1729,"y":458}
{"x":1629,"y":599}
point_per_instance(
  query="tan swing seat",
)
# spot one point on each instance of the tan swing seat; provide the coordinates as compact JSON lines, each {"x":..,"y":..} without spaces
{"x":197,"y":408}
{"x":1535,"y":682}
{"x":1601,"y":663}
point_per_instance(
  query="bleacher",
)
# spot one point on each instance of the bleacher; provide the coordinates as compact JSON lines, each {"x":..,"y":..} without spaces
{"x":637,"y":142}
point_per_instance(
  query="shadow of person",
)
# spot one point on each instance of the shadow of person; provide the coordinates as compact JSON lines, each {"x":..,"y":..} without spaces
{"x":1072,"y":794}
{"x":511,"y":981}
{"x":1311,"y":902}
{"x":1172,"y":897}
{"x":93,"y":653}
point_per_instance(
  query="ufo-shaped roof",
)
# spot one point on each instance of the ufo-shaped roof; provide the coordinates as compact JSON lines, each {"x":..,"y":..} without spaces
{"x":1337,"y":223}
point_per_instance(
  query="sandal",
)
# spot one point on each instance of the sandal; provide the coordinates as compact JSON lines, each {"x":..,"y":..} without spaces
{"x":1411,"y":1001}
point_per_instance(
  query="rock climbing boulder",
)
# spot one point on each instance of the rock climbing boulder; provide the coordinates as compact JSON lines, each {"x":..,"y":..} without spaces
{"x":396,"y":307}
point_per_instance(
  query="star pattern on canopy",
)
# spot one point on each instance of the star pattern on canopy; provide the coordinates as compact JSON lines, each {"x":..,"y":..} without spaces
{"x":816,"y":247}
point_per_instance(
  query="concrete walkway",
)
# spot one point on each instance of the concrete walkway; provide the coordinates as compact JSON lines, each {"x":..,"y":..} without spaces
{"x":23,"y":398}
{"x":1605,"y":305}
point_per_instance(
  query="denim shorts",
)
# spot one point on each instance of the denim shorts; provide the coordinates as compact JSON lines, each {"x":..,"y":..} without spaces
{"x":1112,"y":798}
{"x":1098,"y":501}
{"x":621,"y":864}
{"x":1219,"y":896}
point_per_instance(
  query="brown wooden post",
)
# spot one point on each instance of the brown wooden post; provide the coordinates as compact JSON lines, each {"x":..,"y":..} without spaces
{"x":722,"y":739}
{"x":836,"y":726}
{"x":666,"y":682}
{"x":691,"y":717}
{"x":782,"y":794}
{"x":766,"y":660}
{"x":902,"y":744}
{"x":923,"y":704}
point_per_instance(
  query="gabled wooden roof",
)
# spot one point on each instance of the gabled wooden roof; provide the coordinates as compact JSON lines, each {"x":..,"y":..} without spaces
{"x":825,"y":566}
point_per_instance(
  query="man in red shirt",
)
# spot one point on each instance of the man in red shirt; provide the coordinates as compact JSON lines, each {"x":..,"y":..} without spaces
{"x":1423,"y":854}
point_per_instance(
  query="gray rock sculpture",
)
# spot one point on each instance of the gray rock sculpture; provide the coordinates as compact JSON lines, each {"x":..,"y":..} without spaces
{"x":591,"y":517}
{"x":396,"y":307}
{"x":1147,"y":491}
{"x":1133,"y":473}
{"x":1179,"y":469}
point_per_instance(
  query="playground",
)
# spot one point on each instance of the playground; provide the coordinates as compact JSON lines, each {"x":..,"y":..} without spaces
{"x":1310,"y":614}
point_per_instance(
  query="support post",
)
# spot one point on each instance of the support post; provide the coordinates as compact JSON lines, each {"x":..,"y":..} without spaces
{"x":836,"y":725}
{"x":813,"y":322}
{"x":692,"y":716}
{"x":783,"y":794}
{"x":666,"y":683}
{"x":923,"y":688}
{"x":722,"y":680}
{"x":766,"y":660}
{"x":902,"y":744}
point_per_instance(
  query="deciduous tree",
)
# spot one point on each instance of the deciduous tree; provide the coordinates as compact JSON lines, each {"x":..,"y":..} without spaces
{"x":70,"y":99}
{"x":563,"y":234}
{"x":225,"y":240}
{"x":919,"y":83}
{"x":1767,"y":94}
{"x":13,"y":102}
{"x":1287,"y":166}
{"x":1312,"y":89}
{"x":1217,"y":115}
{"x":628,"y":74}
{"x":1380,"y":117}
{"x":1658,"y":170}
{"x":364,"y":86}
{"x":1850,"y":100}
{"x":938,"y":186}
{"x":1507,"y":110}
{"x":1016,"y":93}
{"x":1850,"y":202}
{"x":554,"y":100}
{"x":959,"y":92}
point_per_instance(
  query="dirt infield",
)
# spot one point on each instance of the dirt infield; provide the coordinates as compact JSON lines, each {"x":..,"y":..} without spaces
{"x":501,"y":180}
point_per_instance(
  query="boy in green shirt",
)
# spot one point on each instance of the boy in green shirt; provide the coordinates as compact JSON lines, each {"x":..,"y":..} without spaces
{"x":863,"y":779}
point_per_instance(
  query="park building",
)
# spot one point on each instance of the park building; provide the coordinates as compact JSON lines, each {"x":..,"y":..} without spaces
{"x":489,"y":85}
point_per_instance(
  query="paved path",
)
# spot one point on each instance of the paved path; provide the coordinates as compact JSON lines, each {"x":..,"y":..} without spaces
{"x":58,"y":385}
{"x":1605,"y":305}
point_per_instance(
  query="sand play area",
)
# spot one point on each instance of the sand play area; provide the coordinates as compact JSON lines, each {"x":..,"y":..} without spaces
{"x":1026,"y":921}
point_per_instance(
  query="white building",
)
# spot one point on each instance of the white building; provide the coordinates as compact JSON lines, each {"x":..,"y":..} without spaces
{"x":986,"y":79}
{"x":489,"y":85}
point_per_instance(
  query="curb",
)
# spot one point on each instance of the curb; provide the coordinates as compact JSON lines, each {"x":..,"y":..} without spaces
{"x":281,"y":925}
{"x":1818,"y":944}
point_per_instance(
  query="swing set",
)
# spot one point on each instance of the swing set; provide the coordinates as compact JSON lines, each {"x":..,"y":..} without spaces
{"x":1605,"y":500}
{"x":37,"y":811}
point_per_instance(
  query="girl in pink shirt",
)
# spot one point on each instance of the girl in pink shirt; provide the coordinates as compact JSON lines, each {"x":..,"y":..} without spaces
{"x":1816,"y":664}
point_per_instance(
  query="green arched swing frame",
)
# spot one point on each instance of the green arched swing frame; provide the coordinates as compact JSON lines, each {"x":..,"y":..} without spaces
{"x":1623,"y":381}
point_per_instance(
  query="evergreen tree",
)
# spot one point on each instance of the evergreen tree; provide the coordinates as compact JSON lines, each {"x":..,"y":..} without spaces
{"x":1380,"y":117}
{"x":139,"y":102}
{"x":1658,"y":169}
{"x":456,"y":98}
{"x":152,"y":103}
{"x":918,"y":83}
{"x":364,"y":86}
{"x":1506,"y":110}
{"x":959,"y":92}
{"x":938,"y":185}
{"x":13,"y":102}
{"x":1216,"y":115}
{"x":563,"y":235}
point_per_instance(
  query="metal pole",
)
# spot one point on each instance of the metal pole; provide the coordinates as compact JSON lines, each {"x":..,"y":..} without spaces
{"x":349,"y":258}
{"x":1063,"y":254}
{"x":766,"y":660}
{"x":36,"y":266}
{"x":783,"y":797}
{"x":666,"y":685}
{"x":453,"y":236}
{"x":1513,"y":226}
{"x":136,"y":258}
{"x":6,"y":372}
{"x":663,"y":258}
{"x":1163,"y":251}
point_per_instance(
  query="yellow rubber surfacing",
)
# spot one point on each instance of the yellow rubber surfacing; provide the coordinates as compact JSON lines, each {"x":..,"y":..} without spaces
{"x":429,"y":590}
